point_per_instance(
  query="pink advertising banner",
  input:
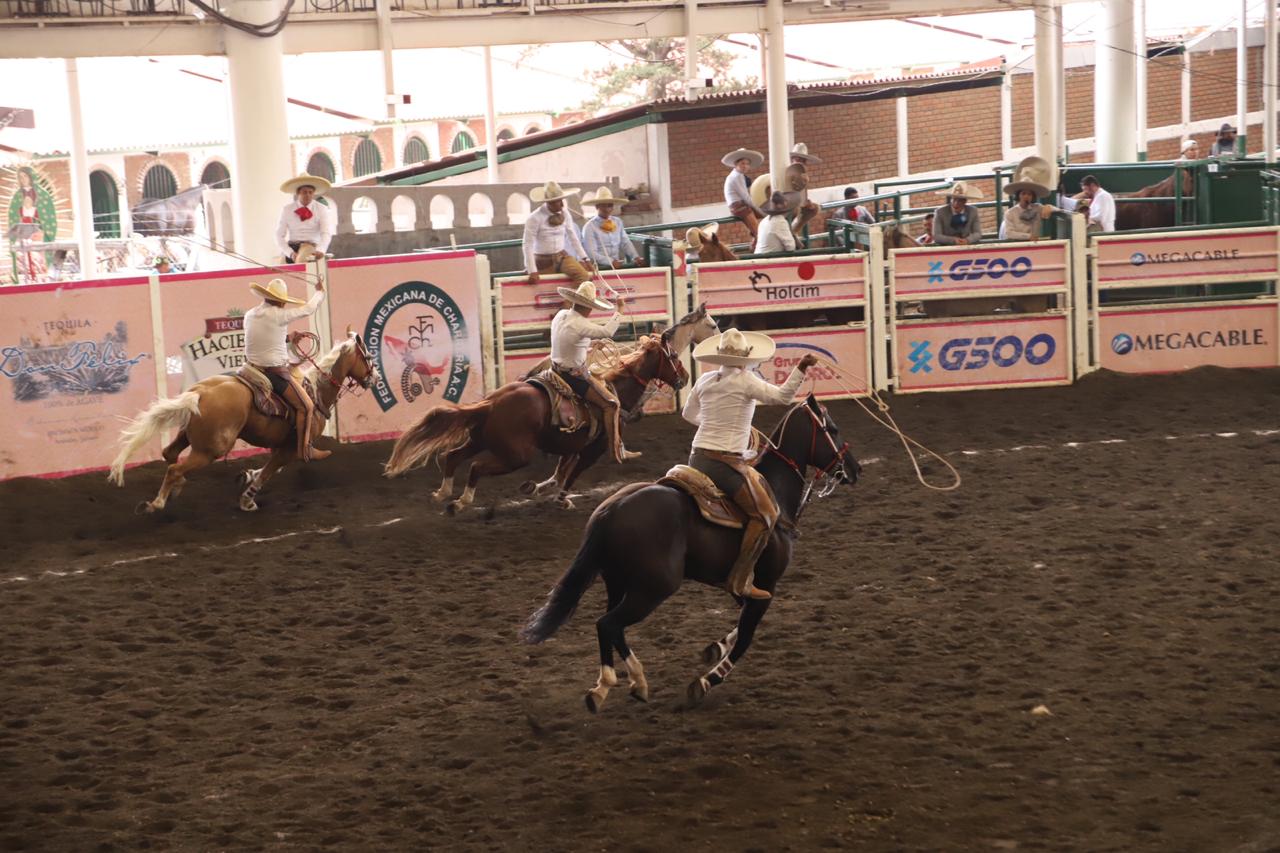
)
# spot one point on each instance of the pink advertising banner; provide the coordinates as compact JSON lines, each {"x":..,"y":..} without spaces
{"x":768,"y":285}
{"x":531,"y":306}
{"x":982,"y":353}
{"x":516,"y":364}
{"x":1239,"y":254}
{"x":420,"y":318}
{"x":945,"y":270}
{"x":74,"y":360}
{"x":847,"y":347}
{"x":1164,"y":340}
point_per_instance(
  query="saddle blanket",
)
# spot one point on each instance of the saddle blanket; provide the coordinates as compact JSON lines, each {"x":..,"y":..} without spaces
{"x":568,"y":412}
{"x":715,"y":506}
{"x":265,"y":400}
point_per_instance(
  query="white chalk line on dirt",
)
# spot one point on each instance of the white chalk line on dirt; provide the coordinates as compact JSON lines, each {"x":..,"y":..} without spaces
{"x":608,"y":488}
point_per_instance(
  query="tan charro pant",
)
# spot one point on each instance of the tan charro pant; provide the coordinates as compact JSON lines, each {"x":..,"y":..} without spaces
{"x":563,"y":263}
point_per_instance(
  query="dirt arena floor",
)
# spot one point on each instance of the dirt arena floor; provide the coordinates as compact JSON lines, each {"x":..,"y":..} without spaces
{"x":188,"y":682}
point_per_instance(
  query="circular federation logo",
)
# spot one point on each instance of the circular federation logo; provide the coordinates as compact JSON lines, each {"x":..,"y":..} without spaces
{"x":1137,"y":259}
{"x":1122,"y":344}
{"x":418,"y":337}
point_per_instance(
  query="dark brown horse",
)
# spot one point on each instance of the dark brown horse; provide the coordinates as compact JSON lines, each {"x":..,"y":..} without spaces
{"x":504,"y":431}
{"x":648,"y":538}
{"x":1156,"y":214}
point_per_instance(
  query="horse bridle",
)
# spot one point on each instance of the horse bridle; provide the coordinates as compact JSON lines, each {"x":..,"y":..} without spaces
{"x":673,"y":359}
{"x":828,"y":483}
{"x":351,"y":383}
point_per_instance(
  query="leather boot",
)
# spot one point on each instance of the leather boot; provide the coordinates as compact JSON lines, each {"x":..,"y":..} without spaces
{"x":612,"y":413}
{"x":308,"y":452}
{"x":742,"y":576}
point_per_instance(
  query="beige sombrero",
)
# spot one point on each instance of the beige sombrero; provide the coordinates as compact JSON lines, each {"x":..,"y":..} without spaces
{"x":1033,"y":173}
{"x":604,"y":196}
{"x":694,"y":236}
{"x":964,"y":189}
{"x":802,"y":151}
{"x":550,"y":191}
{"x":777,"y":204}
{"x":585,"y":296}
{"x":755,"y":157}
{"x":292,"y":185}
{"x":277,"y":291}
{"x":735,"y":348}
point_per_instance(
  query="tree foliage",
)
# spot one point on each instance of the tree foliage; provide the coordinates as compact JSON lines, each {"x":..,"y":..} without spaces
{"x":654,"y":69}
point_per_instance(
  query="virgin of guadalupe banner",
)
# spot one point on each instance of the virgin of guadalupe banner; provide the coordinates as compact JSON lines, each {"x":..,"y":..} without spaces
{"x":31,"y":219}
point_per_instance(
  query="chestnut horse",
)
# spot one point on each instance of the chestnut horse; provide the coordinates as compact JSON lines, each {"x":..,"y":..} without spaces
{"x":706,"y":242}
{"x":214,"y":412}
{"x":1156,"y":214}
{"x":648,"y":538}
{"x":502,"y":432}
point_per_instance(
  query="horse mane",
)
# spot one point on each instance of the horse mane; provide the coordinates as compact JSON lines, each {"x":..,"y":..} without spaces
{"x":646,"y":344}
{"x":330,"y":359}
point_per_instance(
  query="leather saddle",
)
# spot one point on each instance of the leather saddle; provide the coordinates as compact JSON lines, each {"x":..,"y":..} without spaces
{"x":569,"y":412}
{"x":265,"y":400}
{"x":715,"y":506}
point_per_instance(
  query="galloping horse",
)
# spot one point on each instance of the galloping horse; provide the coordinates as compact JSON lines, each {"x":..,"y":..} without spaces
{"x":218,"y":410}
{"x":502,"y":432}
{"x":648,"y":538}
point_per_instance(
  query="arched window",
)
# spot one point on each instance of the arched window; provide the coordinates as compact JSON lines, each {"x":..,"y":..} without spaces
{"x":321,"y":165}
{"x":518,"y":208}
{"x":505,"y":134}
{"x":364,"y":215}
{"x":368,"y":158}
{"x":480,"y":210}
{"x":216,"y":175}
{"x":531,"y":129}
{"x":462,"y":142}
{"x":415,"y":151}
{"x":159,"y":183}
{"x":404,"y":213}
{"x":106,"y":204}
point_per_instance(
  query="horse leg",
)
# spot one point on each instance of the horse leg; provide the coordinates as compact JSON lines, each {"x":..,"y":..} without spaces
{"x":175,"y":447}
{"x":280,"y":457}
{"x":451,"y":463}
{"x":544,"y":487}
{"x":485,"y":464}
{"x":714,"y":652}
{"x":581,"y":462}
{"x":633,"y":607}
{"x":752,"y":612}
{"x":176,"y":477}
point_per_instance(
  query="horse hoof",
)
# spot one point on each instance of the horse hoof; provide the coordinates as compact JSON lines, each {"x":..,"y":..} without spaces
{"x":248,"y":506}
{"x":529,"y":487}
{"x":564,"y":503}
{"x":697,"y":691}
{"x":640,"y":692}
{"x":712,"y":653}
{"x":441,"y":497}
{"x":452,"y":508}
{"x":143,"y":508}
{"x":594,"y":702}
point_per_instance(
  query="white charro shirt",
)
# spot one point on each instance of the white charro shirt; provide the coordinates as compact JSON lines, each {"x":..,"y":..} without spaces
{"x":572,"y":334}
{"x":723,"y":402}
{"x":1102,"y":210}
{"x":737,"y":187}
{"x":775,"y":235}
{"x":317,"y":230}
{"x":264,"y":330}
{"x":543,"y":238}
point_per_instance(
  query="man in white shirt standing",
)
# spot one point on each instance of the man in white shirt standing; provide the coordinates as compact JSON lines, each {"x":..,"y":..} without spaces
{"x":548,"y":233}
{"x":604,"y":236}
{"x":721,"y":406}
{"x":265,"y":347}
{"x":775,"y":234}
{"x":306,"y":224}
{"x":571,"y":335}
{"x":1102,"y":205}
{"x":737,"y":187}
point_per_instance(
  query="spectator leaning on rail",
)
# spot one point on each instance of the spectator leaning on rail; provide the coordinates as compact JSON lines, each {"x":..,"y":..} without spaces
{"x":1101,"y":205}
{"x":926,"y":239}
{"x":737,"y":187}
{"x":548,"y":233}
{"x":1190,"y":150}
{"x":1031,"y":181}
{"x":604,"y":236}
{"x":856,"y":212}
{"x":1225,"y":144}
{"x":775,"y":234}
{"x":956,"y":223}
{"x":306,"y":225}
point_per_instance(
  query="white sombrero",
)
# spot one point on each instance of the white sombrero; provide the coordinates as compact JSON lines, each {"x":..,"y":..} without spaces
{"x":550,"y":191}
{"x":736,"y":349}
{"x":585,"y":296}
{"x":964,"y":189}
{"x":755,"y":157}
{"x":604,"y":196}
{"x":277,"y":291}
{"x":802,"y":151}
{"x":292,"y":185}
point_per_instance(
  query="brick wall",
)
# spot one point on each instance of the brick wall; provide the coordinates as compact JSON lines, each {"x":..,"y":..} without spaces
{"x":1164,"y":91}
{"x":697,"y":175}
{"x":1024,"y":110}
{"x":856,"y":140}
{"x":1079,"y":102}
{"x":948,"y":128}
{"x":1213,"y":83}
{"x":136,"y":166}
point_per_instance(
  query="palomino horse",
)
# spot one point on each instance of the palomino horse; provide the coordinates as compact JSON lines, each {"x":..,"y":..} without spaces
{"x":216,"y":411}
{"x":502,"y":432}
{"x":648,"y":538}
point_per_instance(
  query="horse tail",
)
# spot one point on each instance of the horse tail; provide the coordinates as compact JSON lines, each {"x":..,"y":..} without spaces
{"x":163,"y":414}
{"x":442,"y":430}
{"x":565,"y":595}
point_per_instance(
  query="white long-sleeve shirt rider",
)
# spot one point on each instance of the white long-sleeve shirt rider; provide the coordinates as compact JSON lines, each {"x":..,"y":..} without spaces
{"x":723,"y":403}
{"x":1102,"y":210}
{"x":737,"y":188}
{"x":607,"y":248}
{"x":264,"y":330}
{"x":572,"y":334}
{"x":543,"y":238}
{"x":775,"y":235}
{"x":317,"y":229}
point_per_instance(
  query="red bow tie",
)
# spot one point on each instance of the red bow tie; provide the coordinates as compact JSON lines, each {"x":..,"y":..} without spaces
{"x":304,"y":213}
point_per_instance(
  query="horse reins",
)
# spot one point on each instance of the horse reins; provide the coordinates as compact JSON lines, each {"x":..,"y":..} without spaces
{"x":839,"y":454}
{"x":351,"y":383}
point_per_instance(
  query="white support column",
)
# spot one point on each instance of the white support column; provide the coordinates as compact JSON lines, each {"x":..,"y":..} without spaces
{"x":690,"y":49}
{"x":1045,"y":83}
{"x":81,"y":197}
{"x":259,"y":130}
{"x":904,"y":137}
{"x":1270,"y":60}
{"x":490,"y":121}
{"x":1006,"y":115}
{"x":1114,"y":86}
{"x":1186,"y":92}
{"x":1242,"y":80}
{"x":386,"y":45}
{"x":776,"y":93}
{"x":1140,"y":73}
{"x":1060,"y":93}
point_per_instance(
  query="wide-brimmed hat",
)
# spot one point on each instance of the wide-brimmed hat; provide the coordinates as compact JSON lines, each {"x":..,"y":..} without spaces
{"x":585,"y":296}
{"x":1033,"y":173}
{"x":964,"y":189}
{"x":604,"y":196}
{"x":277,"y":291}
{"x":777,"y":204}
{"x":292,"y":185}
{"x":694,"y":236}
{"x":735,"y":348}
{"x":802,"y":151}
{"x":731,"y":159}
{"x":550,"y":191}
{"x":1227,"y":128}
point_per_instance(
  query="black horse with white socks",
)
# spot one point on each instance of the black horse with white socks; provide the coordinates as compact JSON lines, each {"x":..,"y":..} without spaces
{"x":647,"y":538}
